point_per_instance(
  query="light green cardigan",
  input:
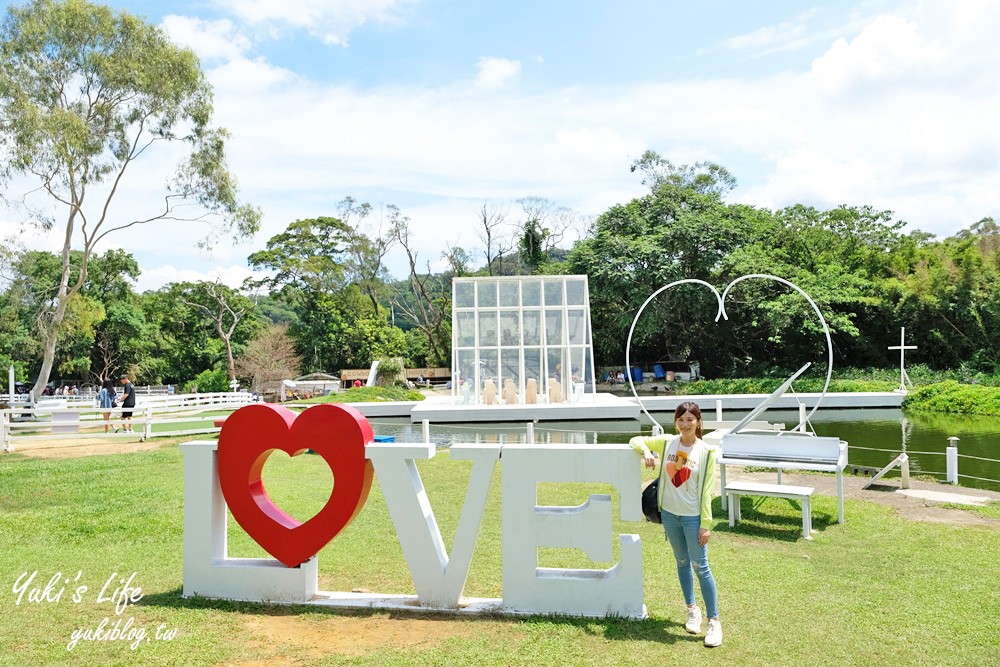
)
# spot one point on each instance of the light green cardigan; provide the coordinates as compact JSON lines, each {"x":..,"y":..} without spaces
{"x":658,"y":443}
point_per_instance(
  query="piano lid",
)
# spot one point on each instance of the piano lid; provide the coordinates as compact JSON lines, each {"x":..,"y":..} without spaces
{"x":766,"y":403}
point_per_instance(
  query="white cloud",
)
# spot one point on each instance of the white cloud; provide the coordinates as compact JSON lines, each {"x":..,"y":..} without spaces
{"x":494,"y":73}
{"x":605,"y":143}
{"x":890,"y":50}
{"x":898,"y":117}
{"x":790,"y":35}
{"x":211,"y":40}
{"x":785,"y":35}
{"x":154,"y":278}
{"x":332,"y":21}
{"x":240,"y":73}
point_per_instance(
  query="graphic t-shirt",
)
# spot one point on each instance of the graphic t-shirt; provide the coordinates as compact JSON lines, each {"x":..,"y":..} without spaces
{"x":683,"y":500}
{"x":693,"y":497}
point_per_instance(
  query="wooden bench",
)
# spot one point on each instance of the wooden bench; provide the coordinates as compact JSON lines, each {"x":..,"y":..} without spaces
{"x":734,"y":490}
{"x":787,"y":450}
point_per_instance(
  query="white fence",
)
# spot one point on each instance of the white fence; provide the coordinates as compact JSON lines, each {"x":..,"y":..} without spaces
{"x":74,"y":418}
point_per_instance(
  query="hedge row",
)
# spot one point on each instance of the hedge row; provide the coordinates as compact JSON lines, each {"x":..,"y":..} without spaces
{"x":767,"y":385}
{"x":956,"y":398}
{"x":369,"y":395}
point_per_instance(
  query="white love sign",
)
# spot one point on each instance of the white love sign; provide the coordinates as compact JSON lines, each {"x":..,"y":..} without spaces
{"x":439,"y":577}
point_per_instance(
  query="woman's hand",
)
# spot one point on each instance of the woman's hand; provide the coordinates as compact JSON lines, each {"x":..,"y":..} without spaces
{"x":648,"y":458}
{"x":703,"y":535}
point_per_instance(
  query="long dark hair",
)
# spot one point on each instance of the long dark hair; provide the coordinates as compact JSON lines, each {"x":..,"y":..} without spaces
{"x":109,"y":385}
{"x":693,"y":409}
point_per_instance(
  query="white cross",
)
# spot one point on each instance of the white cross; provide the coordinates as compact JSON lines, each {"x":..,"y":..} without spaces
{"x":904,"y":379}
{"x":235,"y":384}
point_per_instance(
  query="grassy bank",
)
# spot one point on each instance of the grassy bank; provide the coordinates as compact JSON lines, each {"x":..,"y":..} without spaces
{"x":952,"y":397}
{"x":368,"y":395}
{"x":767,"y":385}
{"x":877,"y":589}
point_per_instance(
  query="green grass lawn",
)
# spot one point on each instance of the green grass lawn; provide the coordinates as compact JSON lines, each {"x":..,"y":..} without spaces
{"x":877,"y":590}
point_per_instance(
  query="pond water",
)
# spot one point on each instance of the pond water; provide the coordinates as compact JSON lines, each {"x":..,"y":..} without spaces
{"x":925,"y":437}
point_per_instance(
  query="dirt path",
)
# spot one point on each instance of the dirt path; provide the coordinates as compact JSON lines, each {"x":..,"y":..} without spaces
{"x":71,"y":449}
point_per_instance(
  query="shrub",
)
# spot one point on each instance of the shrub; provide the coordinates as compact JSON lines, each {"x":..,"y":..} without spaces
{"x":369,"y":395}
{"x":951,"y":396}
{"x":389,"y":372}
{"x":208,"y":382}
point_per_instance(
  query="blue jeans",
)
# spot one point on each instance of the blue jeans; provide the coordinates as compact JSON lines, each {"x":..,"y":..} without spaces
{"x":682,"y":533}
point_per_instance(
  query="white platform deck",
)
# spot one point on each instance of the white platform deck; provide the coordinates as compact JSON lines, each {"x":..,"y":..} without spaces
{"x":446,"y":409}
{"x":885,"y":399}
{"x":589,"y":407}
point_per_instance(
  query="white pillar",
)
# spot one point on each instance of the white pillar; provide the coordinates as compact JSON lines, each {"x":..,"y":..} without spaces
{"x":425,"y":426}
{"x":530,"y":438}
{"x":718,"y":409}
{"x":951,"y":456}
{"x":5,"y":432}
{"x":10,"y":377}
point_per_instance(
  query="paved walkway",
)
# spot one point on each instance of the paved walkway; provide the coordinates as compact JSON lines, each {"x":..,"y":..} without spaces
{"x":923,"y":501}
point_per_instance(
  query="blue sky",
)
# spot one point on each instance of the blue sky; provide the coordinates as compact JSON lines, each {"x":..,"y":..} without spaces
{"x":438,"y":106}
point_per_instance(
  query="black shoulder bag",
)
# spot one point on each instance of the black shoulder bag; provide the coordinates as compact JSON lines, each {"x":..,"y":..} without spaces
{"x":650,"y":506}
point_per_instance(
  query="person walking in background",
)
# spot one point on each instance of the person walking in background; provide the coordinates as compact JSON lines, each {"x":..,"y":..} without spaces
{"x":106,"y":401}
{"x":128,"y":403}
{"x":686,"y":487}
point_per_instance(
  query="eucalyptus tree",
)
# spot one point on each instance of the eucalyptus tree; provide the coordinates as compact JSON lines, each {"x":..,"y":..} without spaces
{"x":87,"y":93}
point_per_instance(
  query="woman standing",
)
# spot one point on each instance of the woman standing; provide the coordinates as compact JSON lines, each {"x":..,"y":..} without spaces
{"x":106,"y":401}
{"x":686,"y":487}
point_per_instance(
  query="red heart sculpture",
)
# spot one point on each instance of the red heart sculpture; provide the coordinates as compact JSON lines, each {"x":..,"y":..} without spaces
{"x":338,"y":433}
{"x":681,"y":476}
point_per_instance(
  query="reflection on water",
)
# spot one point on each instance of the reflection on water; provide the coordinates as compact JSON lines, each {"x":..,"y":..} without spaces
{"x":925,"y":437}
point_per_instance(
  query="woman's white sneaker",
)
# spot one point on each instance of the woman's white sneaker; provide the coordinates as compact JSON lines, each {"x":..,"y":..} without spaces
{"x":714,"y":635}
{"x":693,"y":624}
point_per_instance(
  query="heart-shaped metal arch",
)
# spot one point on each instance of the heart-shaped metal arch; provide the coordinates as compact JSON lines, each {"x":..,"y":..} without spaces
{"x":721,"y":314}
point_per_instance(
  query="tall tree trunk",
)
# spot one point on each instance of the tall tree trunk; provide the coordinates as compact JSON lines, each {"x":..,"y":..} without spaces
{"x":230,"y":362}
{"x":48,"y":358}
{"x":51,"y":332}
